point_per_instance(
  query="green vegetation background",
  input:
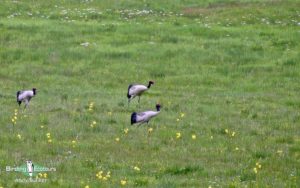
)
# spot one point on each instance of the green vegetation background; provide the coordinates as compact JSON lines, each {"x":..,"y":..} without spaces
{"x":226,"y":72}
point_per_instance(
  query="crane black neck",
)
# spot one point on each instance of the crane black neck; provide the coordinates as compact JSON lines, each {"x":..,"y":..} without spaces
{"x":149,"y":85}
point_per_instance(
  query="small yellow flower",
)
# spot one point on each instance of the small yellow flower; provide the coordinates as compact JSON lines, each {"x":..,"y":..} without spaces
{"x":40,"y":175}
{"x":226,"y":131}
{"x":178,"y":135}
{"x":86,"y":186}
{"x":236,"y":149}
{"x":150,"y":130}
{"x":104,"y":178}
{"x":45,"y":175}
{"x":123,"y":182}
{"x":177,"y":119}
{"x":16,"y":110}
{"x":279,"y":151}
{"x":42,"y":126}
{"x":194,"y":137}
{"x":15,"y":117}
{"x":109,"y":113}
{"x":126,"y":131}
{"x":13,"y":120}
{"x":19,"y":136}
{"x":50,"y":141}
{"x":258,"y":165}
{"x":136,"y":168}
{"x":255,"y":170}
{"x":73,"y":141}
{"x":232,"y":134}
{"x":117,"y":139}
{"x":211,"y":137}
{"x":99,"y":175}
{"x":182,"y":115}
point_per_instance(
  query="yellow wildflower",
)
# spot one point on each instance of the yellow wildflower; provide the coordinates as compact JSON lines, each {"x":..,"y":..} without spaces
{"x":117,"y":139}
{"x":45,"y":175}
{"x":50,"y":141}
{"x":226,"y":131}
{"x":194,"y":137}
{"x":126,"y":130}
{"x":86,"y":186}
{"x":232,"y":134}
{"x":258,"y":165}
{"x":123,"y":182}
{"x":178,"y":135}
{"x":150,"y":130}
{"x":109,"y":113}
{"x":182,"y":114}
{"x":236,"y":149}
{"x":42,"y":126}
{"x":177,"y":119}
{"x":19,"y":136}
{"x":136,"y":168}
{"x":99,"y":175}
{"x":255,"y":170}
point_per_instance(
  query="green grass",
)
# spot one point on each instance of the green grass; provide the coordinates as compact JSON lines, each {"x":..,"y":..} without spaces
{"x":232,"y":68}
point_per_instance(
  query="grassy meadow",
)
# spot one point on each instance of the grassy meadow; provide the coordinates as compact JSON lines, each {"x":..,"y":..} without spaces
{"x":226,"y":73}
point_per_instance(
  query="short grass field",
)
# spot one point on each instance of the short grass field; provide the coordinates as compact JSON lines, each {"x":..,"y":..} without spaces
{"x":226,"y":73}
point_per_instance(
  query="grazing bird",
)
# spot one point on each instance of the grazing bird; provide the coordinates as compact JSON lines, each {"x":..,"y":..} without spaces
{"x":143,"y":117}
{"x":25,"y":96}
{"x":137,"y":90}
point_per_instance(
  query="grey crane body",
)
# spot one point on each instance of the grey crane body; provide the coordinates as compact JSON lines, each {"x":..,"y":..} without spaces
{"x":25,"y":96}
{"x":137,"y":90}
{"x":144,"y":117}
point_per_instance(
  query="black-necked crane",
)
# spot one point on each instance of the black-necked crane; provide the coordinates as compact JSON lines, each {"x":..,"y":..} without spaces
{"x":144,"y":117}
{"x":137,"y":90}
{"x":25,"y":96}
